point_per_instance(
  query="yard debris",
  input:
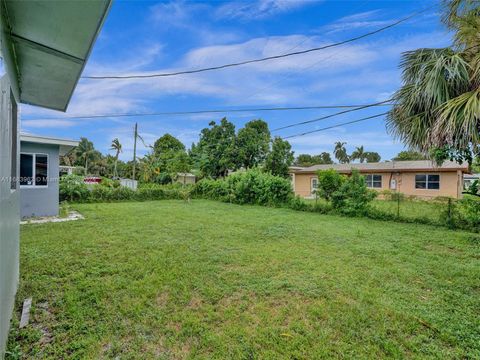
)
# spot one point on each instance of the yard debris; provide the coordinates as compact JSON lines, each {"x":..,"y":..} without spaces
{"x":72,"y":216}
{"x":27,"y":304}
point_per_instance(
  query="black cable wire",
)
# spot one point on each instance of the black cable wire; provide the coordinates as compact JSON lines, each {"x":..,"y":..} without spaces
{"x":184,"y":72}
{"x":333,"y":115}
{"x":93,"y":116}
{"x":334,"y":126}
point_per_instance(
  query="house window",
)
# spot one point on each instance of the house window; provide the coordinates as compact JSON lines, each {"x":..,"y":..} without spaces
{"x":314,"y":184}
{"x":427,"y":181}
{"x":373,"y":181}
{"x":33,"y":170}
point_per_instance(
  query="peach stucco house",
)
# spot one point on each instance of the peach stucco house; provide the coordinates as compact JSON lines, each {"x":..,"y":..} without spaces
{"x":421,"y":178}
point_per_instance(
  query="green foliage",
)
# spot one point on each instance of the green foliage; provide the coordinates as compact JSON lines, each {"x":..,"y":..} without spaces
{"x":407,"y":155}
{"x":340,"y":152}
{"x":280,"y":157}
{"x":64,"y":209}
{"x":247,"y":187}
{"x":212,"y":189}
{"x":72,"y":188}
{"x":437,"y":105}
{"x":167,"y":144}
{"x":253,"y":143}
{"x":353,"y":196}
{"x":474,"y":188}
{"x":217,"y":150}
{"x":372,"y":157}
{"x":358,"y":154}
{"x":470,"y":212}
{"x":329,"y":181}
{"x":309,"y":160}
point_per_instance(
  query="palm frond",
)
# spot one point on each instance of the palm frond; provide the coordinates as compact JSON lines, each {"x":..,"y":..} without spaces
{"x":459,"y":121}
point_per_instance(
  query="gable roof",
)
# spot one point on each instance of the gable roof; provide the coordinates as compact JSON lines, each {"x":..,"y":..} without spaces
{"x":387,"y":166}
{"x":46,"y":44}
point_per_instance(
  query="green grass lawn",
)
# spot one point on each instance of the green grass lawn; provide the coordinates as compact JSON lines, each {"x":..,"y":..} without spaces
{"x":409,"y":209}
{"x":209,"y":280}
{"x":413,"y":209}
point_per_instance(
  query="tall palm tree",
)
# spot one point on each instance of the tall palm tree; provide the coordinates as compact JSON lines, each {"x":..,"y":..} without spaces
{"x":359,"y":154}
{"x":118,"y":149}
{"x":340,"y":153}
{"x":85,"y":151}
{"x":438,"y":105}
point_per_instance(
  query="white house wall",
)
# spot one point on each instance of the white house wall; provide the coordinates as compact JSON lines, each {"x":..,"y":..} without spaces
{"x":9,"y":216}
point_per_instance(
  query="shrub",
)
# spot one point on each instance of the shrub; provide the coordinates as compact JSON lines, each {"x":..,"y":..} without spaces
{"x":247,"y":187}
{"x":72,"y":188}
{"x":353,"y":196}
{"x":329,"y":181}
{"x":392,"y":195}
{"x":211,"y":189}
{"x":163,"y":192}
{"x":470,"y":213}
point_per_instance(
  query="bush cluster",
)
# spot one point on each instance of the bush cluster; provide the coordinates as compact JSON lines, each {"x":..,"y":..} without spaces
{"x":347,"y":195}
{"x":247,"y":187}
{"x":73,"y":189}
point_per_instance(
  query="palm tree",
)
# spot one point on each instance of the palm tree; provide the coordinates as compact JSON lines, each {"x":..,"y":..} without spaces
{"x":85,"y":152}
{"x":359,"y":154}
{"x":118,"y":149}
{"x":340,"y":153}
{"x":438,"y":105}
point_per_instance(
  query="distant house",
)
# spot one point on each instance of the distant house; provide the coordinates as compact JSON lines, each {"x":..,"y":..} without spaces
{"x":469,"y":179}
{"x":420,"y":178}
{"x":39,"y":174}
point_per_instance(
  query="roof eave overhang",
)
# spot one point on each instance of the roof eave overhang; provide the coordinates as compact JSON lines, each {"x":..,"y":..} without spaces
{"x":40,"y":74}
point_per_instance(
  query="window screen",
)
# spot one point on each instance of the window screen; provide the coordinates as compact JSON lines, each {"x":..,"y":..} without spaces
{"x":41,"y":170}
{"x":33,"y":169}
{"x":427,"y":181}
{"x":373,"y":181}
{"x":26,"y":169}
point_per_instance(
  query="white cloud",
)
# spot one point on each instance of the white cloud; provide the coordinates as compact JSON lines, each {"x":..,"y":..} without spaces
{"x":52,"y":123}
{"x":357,"y":21}
{"x":259,"y":9}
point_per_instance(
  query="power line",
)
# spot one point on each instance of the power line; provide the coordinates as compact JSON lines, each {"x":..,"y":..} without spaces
{"x":93,"y":116}
{"x":334,"y":126}
{"x":219,"y":67}
{"x":333,"y":115}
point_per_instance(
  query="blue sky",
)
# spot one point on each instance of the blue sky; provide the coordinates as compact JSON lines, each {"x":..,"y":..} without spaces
{"x":144,"y":37}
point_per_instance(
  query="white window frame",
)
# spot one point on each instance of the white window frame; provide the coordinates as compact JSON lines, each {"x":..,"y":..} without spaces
{"x":370,"y":184}
{"x":312,"y":188}
{"x":427,"y":182}
{"x":34,"y":171}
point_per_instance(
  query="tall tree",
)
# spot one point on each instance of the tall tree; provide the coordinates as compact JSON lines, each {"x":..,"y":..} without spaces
{"x":322,"y":158}
{"x":438,"y":105}
{"x":217,"y":150}
{"x":359,"y":154}
{"x":304,"y":160}
{"x":340,"y":152}
{"x":85,"y":152}
{"x":167,"y":144}
{"x":280,"y":157}
{"x":409,"y":155}
{"x":372,"y":157}
{"x":253,"y":142}
{"x":118,"y":149}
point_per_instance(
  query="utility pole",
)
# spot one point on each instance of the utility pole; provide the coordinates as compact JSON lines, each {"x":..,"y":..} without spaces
{"x":135,"y":151}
